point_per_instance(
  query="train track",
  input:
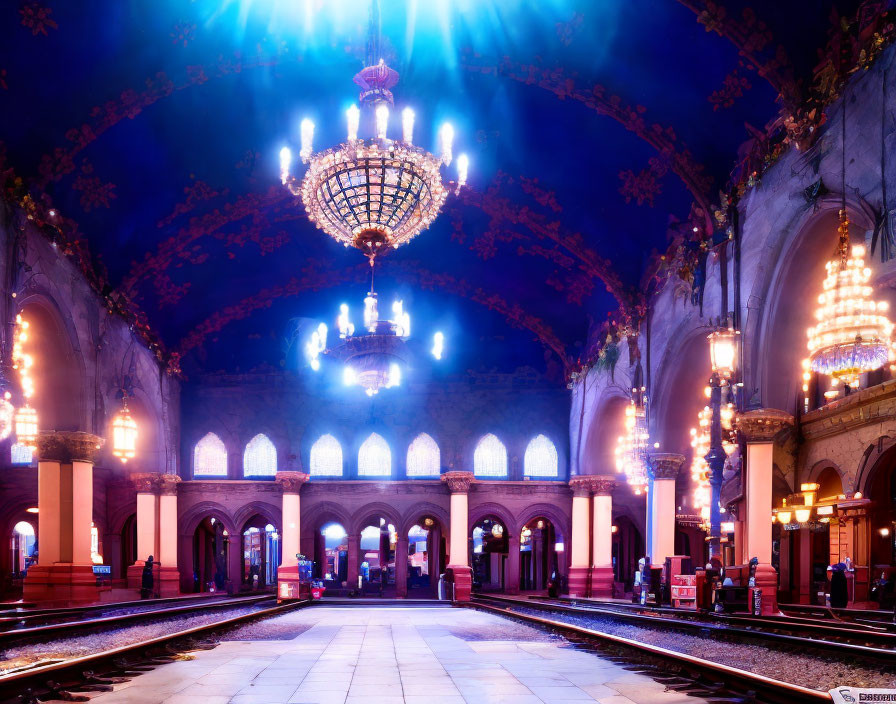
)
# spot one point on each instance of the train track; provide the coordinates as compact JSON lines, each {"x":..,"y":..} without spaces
{"x":677,"y":671}
{"x":840,"y":639}
{"x":70,"y":677}
{"x":65,"y":629}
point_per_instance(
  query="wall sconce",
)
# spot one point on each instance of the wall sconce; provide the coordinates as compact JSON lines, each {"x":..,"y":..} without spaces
{"x":803,"y":514}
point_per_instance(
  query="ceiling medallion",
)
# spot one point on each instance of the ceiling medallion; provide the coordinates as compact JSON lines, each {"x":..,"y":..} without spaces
{"x":379,"y":193}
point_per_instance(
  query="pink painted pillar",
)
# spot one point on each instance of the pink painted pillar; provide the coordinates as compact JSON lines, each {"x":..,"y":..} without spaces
{"x":512,"y":583}
{"x":759,"y":428}
{"x":288,"y":573}
{"x":169,"y":575}
{"x":147,"y":485}
{"x":458,"y":570}
{"x":64,"y":573}
{"x":579,"y":550}
{"x":663,"y":468}
{"x":602,"y":537}
{"x":401,"y":567}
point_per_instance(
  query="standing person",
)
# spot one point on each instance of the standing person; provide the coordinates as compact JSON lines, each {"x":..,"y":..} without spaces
{"x":146,"y":580}
{"x":839,"y":591}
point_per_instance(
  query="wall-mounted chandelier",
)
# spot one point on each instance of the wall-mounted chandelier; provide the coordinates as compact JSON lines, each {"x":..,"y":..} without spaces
{"x":853,"y":332}
{"x":632,"y":445}
{"x":378,"y":193}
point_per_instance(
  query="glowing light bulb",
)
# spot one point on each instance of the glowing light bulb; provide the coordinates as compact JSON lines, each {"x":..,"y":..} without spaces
{"x":382,"y":120}
{"x":407,"y":125}
{"x":353,"y":116}
{"x":446,"y":141}
{"x":463,"y":165}
{"x":371,"y":314}
{"x":344,"y":323}
{"x":307,"y":131}
{"x":438,"y":345}
{"x":285,"y":159}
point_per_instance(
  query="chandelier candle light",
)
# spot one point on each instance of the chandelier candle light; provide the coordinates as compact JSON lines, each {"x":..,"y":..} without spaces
{"x":26,"y":425}
{"x":631,"y":447}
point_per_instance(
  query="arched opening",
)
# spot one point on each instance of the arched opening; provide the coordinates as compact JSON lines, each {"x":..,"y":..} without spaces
{"x":490,"y":458}
{"x":24,"y":549}
{"x":541,"y":550}
{"x":261,"y":553}
{"x":377,"y":557}
{"x":210,"y":457}
{"x":424,"y":458}
{"x":375,"y":457}
{"x":427,"y":548}
{"x":608,"y":424}
{"x":540,"y":460}
{"x":128,"y":545}
{"x":331,"y":556}
{"x":58,"y":382}
{"x":881,"y":490}
{"x":260,"y":458}
{"x":628,"y":548}
{"x":211,"y":549}
{"x":490,"y":547}
{"x":326,"y":457}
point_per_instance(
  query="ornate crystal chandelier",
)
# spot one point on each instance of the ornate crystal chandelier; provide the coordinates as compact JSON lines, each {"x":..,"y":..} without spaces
{"x":853,"y":332}
{"x":7,"y":410}
{"x":700,"y":470}
{"x":631,"y":447}
{"x":379,"y":193}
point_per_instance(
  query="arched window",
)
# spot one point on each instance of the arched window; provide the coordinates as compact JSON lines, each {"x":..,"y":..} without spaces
{"x":541,"y":458}
{"x":375,"y":457}
{"x":210,"y":457}
{"x":326,"y":457}
{"x":490,"y":458}
{"x":260,"y":457}
{"x":423,"y":457}
{"x":21,"y":455}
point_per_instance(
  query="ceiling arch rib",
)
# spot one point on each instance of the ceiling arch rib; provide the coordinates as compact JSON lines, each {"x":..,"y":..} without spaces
{"x":661,"y":138}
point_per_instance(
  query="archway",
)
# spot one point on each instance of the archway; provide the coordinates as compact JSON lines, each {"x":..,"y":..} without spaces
{"x":331,"y":555}
{"x":628,"y":548}
{"x":128,"y":545}
{"x":261,"y":553}
{"x":539,"y":555}
{"x":490,"y":548}
{"x":378,"y":539}
{"x":881,"y":490}
{"x":211,"y":549}
{"x":24,"y":548}
{"x":608,"y":424}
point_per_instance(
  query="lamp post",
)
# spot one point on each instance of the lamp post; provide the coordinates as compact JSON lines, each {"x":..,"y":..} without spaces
{"x":722,"y":352}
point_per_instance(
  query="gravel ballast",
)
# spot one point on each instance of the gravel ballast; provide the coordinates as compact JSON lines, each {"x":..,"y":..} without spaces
{"x":810,"y":670}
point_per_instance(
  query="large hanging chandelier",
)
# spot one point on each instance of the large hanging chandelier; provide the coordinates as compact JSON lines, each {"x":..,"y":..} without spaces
{"x":853,"y":332}
{"x":26,"y":425}
{"x":632,"y":445}
{"x":378,"y":193}
{"x":700,"y":470}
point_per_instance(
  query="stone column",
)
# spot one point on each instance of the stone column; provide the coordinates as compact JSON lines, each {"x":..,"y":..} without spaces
{"x":458,"y":570}
{"x":663,"y":468}
{"x":288,"y":572}
{"x":759,"y":429}
{"x":353,"y":561}
{"x":147,"y":486}
{"x":512,"y":583}
{"x":579,"y":552}
{"x":401,"y":566}
{"x":602,"y":537}
{"x":64,"y":573}
{"x":169,"y":575}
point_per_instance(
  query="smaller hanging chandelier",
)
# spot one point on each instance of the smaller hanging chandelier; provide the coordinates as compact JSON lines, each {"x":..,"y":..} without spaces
{"x":124,"y":433}
{"x":26,"y":425}
{"x":631,"y":447}
{"x":853,"y":333}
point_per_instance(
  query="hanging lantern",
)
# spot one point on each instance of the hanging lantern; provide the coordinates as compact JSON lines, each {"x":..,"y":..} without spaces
{"x":124,"y":434}
{"x":723,"y":351}
{"x":26,"y":426}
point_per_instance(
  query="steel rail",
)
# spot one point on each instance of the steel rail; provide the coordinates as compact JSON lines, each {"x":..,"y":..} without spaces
{"x":772,"y":689}
{"x":38,"y":679}
{"x":722,"y":628}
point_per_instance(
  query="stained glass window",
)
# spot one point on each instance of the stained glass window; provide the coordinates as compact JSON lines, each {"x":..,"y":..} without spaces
{"x":260,"y":457}
{"x":210,"y":457}
{"x":541,"y":458}
{"x":490,"y":458}
{"x":326,"y":457}
{"x":423,"y":457}
{"x":375,"y":457}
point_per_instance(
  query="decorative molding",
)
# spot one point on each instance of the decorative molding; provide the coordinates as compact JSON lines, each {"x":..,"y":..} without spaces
{"x":291,"y":482}
{"x":603,"y":485}
{"x":68,"y":446}
{"x":865,"y":407}
{"x":146,"y":482}
{"x":458,"y":482}
{"x":763,"y":424}
{"x":664,"y":465}
{"x":168,"y":484}
{"x":581,"y":486}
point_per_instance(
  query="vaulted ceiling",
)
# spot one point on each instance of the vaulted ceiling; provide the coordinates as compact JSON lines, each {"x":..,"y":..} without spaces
{"x":592,"y":126}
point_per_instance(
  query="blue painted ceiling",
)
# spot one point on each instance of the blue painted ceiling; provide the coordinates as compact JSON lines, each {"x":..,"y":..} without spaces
{"x":590,"y":125}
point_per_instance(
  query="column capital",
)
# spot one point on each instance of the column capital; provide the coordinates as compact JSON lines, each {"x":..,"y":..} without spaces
{"x":68,"y":446}
{"x":664,"y":465}
{"x":291,"y":482}
{"x":581,"y":486}
{"x":603,"y":485}
{"x":763,"y":424}
{"x":168,"y":484}
{"x":146,"y":482}
{"x":458,"y":482}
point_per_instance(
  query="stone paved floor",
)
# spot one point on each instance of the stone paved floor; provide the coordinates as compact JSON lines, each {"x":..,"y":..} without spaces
{"x":383,"y":655}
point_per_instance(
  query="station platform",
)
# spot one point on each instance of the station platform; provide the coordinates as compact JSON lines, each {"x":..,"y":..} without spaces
{"x":392,"y":654}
